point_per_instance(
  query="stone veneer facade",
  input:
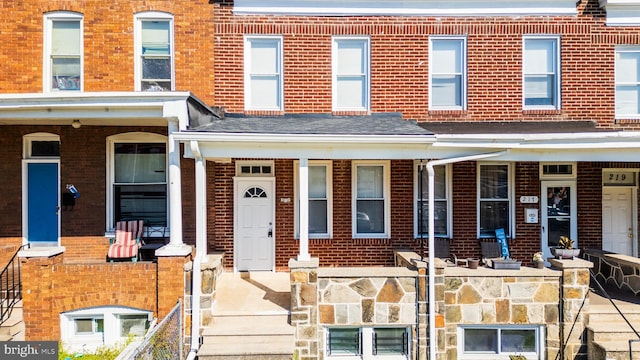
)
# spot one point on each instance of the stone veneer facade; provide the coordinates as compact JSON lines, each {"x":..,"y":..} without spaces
{"x":555,"y":298}
{"x":620,"y":271}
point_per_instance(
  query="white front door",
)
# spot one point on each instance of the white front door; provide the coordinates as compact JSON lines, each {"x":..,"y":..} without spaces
{"x":617,"y":215}
{"x":558,"y":214}
{"x":254,"y":224}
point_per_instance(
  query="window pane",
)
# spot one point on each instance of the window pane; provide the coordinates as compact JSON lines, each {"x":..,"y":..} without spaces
{"x":627,"y":67}
{"x":343,"y":342}
{"x":318,"y":216}
{"x":518,"y":341}
{"x":99,"y":325}
{"x":447,"y":56}
{"x":140,"y":163}
{"x":133,"y":324}
{"x":45,"y":148}
{"x":539,"y":56}
{"x":440,"y":183}
{"x":318,"y":182}
{"x":370,"y":182}
{"x":627,"y":99}
{"x":65,"y":73}
{"x":264,"y":57}
{"x":84,"y":326}
{"x":265,"y":91}
{"x":440,"y":218}
{"x":351,"y":57}
{"x":493,"y":215}
{"x":480,"y":340}
{"x":494,"y":182}
{"x":446,"y":90}
{"x":153,"y":85}
{"x":539,"y":90}
{"x":145,"y":202}
{"x":370,"y":216}
{"x":65,"y":39}
{"x":155,"y":38}
{"x":156,"y":68}
{"x":351,"y":92}
{"x":389,"y":341}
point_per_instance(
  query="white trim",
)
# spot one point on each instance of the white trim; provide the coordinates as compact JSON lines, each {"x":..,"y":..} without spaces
{"x":463,"y":71}
{"x":634,"y":49}
{"x":510,"y":229}
{"x":573,"y":175}
{"x":328,"y":164}
{"x":240,"y":163}
{"x":621,"y":12}
{"x":572,"y":184}
{"x":28,"y":139}
{"x":416,"y":191}
{"x":248,"y":40}
{"x":137,"y":44}
{"x":49,"y":18}
{"x":366,"y":60}
{"x":407,"y":8}
{"x":557,"y":85}
{"x":131,"y":137}
{"x":386,"y":197}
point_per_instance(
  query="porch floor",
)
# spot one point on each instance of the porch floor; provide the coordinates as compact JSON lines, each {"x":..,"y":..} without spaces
{"x":253,"y":293}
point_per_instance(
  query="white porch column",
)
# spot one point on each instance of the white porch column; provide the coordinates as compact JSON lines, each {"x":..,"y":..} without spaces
{"x":175,"y":187}
{"x":303,"y":182}
{"x":201,"y":201}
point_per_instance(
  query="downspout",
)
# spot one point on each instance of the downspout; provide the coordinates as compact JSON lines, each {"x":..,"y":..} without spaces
{"x":431,"y":266}
{"x":201,"y":249}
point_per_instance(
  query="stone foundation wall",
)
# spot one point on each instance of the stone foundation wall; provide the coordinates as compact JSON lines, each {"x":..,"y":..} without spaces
{"x":619,"y":271}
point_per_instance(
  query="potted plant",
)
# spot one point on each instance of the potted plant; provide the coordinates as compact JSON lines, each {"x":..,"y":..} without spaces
{"x":538,"y":260}
{"x":565,"y":248}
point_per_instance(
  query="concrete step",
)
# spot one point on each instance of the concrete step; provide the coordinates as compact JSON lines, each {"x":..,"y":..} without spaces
{"x":244,"y":336}
{"x":13,"y":327}
{"x":614,"y":350}
{"x":611,"y":331}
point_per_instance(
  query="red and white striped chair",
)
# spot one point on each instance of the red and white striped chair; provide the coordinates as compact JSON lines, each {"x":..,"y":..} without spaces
{"x":128,"y":240}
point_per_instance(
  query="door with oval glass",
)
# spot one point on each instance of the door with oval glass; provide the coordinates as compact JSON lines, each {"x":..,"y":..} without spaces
{"x":558,"y":213}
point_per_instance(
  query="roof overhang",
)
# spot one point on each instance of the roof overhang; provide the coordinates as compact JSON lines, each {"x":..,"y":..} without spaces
{"x":102,"y":108}
{"x":622,"y":12}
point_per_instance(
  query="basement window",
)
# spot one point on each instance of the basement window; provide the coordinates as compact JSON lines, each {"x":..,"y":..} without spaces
{"x":389,"y":343}
{"x":498,"y":342}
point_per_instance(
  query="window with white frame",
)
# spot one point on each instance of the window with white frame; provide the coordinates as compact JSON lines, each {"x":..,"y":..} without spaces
{"x":498,"y":342}
{"x":320,"y":198}
{"x":263,"y":73}
{"x":627,"y":79}
{"x":441,"y":201}
{"x":138,"y":178}
{"x":154,"y":48}
{"x":371,"y":205}
{"x":63,"y":60}
{"x":391,"y":343}
{"x":447,"y":73}
{"x":541,"y":72}
{"x":91,"y":328}
{"x":494,"y":199}
{"x":351,"y":86}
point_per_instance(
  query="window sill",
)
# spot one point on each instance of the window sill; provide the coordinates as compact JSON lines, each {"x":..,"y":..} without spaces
{"x":541,"y":112}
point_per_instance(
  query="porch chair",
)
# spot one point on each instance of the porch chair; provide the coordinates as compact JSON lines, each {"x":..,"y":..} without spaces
{"x":494,"y":249}
{"x":128,"y":240}
{"x":443,"y":251}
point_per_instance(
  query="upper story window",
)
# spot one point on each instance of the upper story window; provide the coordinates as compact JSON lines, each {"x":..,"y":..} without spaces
{"x":351,"y":88}
{"x":137,"y":169}
{"x":627,"y":82}
{"x":494,"y":198}
{"x":371,"y":199}
{"x":447,"y":73}
{"x":154,"y":67}
{"x":263,"y":73}
{"x":63,"y":47}
{"x":320,"y":195}
{"x":441,"y":199}
{"x":541,"y":72}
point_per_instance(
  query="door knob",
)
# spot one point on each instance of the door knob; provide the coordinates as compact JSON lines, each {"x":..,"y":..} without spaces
{"x":270,"y":233}
{"x":630,"y":234}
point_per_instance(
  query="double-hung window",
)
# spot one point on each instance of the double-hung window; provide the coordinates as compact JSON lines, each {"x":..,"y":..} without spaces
{"x":371,"y":205}
{"x":498,"y":342}
{"x":154,"y":48}
{"x":627,"y":82}
{"x":494,"y":198}
{"x":351,"y":85}
{"x":441,"y":201}
{"x":263,"y":83}
{"x":320,"y":206}
{"x":63,"y":51}
{"x":447,"y":73}
{"x":138,"y":179}
{"x":541,"y":72}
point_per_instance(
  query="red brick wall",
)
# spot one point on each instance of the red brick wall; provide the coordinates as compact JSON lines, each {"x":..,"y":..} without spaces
{"x":108,"y":43}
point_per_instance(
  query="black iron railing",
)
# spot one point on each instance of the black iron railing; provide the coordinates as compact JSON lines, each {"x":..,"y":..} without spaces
{"x":10,"y":287}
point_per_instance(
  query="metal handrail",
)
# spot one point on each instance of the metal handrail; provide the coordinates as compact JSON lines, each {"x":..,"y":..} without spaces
{"x":10,"y":286}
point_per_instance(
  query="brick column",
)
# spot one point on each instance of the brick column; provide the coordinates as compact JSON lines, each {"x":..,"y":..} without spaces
{"x":574,"y":306}
{"x":37,"y":272}
{"x":304,"y":307}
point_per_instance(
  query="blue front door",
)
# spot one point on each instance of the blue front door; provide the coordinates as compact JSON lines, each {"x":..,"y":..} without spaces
{"x":42,"y":203}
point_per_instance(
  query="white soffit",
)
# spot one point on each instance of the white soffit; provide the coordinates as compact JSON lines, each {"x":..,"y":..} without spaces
{"x":622,"y":12}
{"x":407,"y":7}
